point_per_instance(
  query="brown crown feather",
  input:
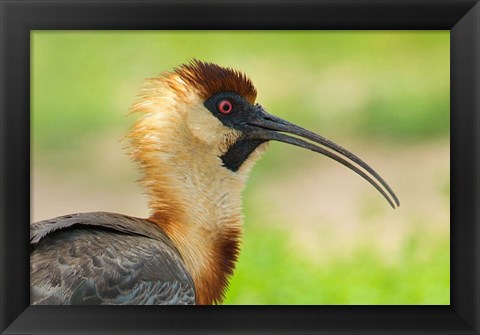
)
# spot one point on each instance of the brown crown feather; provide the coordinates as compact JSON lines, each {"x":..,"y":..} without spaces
{"x":209,"y":78}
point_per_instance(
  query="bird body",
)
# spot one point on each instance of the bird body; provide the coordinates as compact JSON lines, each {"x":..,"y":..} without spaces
{"x":199,"y":134}
{"x":106,"y":258}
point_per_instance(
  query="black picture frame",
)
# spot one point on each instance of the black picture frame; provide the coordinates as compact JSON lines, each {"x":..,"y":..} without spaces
{"x":18,"y":17}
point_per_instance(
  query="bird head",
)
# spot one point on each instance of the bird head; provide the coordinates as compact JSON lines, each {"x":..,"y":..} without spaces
{"x":199,"y":135}
{"x":211,"y":109}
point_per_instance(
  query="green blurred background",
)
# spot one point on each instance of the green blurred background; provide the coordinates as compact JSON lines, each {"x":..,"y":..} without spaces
{"x":315,"y":232}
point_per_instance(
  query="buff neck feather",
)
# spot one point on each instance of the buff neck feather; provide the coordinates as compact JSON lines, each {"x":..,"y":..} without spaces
{"x":191,"y":195}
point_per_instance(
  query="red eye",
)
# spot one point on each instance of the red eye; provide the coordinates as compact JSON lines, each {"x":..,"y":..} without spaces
{"x":225,"y":107}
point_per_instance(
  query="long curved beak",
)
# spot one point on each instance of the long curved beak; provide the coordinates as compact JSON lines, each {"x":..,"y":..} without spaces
{"x":264,"y":126}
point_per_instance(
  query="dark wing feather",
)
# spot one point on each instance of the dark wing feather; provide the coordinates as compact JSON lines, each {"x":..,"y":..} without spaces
{"x":103,"y":258}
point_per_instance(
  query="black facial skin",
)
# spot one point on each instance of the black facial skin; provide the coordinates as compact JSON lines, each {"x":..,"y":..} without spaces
{"x":257,"y":127}
{"x":236,"y":119}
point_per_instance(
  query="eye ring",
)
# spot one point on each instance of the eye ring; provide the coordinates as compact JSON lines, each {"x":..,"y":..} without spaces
{"x":225,"y":106}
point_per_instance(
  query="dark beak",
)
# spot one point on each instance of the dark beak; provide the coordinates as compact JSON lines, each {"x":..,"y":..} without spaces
{"x":263,"y":126}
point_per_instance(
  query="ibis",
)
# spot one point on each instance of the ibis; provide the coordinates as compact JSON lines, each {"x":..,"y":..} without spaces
{"x":198,"y":134}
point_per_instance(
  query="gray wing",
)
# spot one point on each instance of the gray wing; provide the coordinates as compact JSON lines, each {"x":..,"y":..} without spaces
{"x":77,"y":260}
